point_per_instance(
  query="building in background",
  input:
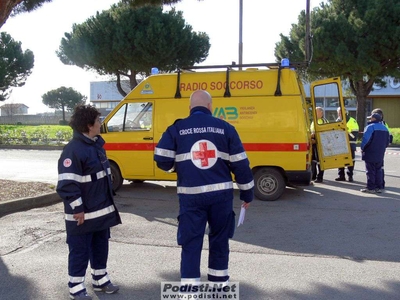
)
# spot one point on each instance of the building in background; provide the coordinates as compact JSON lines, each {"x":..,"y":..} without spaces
{"x":104,"y":95}
{"x":388,"y":99}
{"x":12,"y":109}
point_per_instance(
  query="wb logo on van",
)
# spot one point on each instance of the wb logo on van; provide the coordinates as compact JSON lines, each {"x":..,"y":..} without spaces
{"x":226,"y":113}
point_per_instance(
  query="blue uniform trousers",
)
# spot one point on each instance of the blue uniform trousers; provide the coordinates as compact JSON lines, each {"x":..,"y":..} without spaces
{"x":83,"y":248}
{"x":193,"y":217}
{"x":374,"y":175}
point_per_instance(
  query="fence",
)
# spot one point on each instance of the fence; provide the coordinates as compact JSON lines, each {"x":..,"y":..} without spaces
{"x":33,"y":119}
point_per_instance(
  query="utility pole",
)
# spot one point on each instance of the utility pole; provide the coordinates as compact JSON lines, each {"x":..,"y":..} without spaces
{"x":308,"y":35}
{"x":240,"y":33}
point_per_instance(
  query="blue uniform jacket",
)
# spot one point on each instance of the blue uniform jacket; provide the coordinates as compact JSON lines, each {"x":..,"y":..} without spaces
{"x":204,"y":150}
{"x":374,"y":142}
{"x":84,"y":183}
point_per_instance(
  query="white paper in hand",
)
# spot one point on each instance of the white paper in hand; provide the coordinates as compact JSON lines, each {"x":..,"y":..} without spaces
{"x":241,"y":216}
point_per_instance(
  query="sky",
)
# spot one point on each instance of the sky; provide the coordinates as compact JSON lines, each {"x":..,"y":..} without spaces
{"x":42,"y":30}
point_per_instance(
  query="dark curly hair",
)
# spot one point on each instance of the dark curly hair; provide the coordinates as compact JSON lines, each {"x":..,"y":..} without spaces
{"x":83,"y":117}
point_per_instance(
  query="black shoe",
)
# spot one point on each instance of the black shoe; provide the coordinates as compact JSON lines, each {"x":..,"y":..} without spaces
{"x":351,"y":179}
{"x":319,"y":180}
{"x":368,"y":191}
{"x":81,"y":296}
{"x":340,"y":179}
{"x":108,"y":289}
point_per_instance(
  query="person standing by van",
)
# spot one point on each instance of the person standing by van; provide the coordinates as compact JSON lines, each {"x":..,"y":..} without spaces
{"x":317,"y":176}
{"x":373,"y":147}
{"x":352,"y":129}
{"x":379,"y":111}
{"x":204,"y":151}
{"x":84,"y":183}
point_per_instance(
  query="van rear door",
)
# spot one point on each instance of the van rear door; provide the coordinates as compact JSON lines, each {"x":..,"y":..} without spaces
{"x":332,"y":138}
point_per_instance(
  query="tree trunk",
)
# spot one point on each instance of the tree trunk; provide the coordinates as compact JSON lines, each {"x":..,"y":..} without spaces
{"x":6,"y":7}
{"x":132,"y":79}
{"x":361,"y":90}
{"x":132,"y":82}
{"x":361,"y":111}
{"x":119,"y":87}
{"x":63,"y":110}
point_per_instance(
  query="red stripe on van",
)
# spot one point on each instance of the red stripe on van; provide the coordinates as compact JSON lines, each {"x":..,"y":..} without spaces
{"x":129,"y":146}
{"x":285,"y":147}
{"x":268,"y":147}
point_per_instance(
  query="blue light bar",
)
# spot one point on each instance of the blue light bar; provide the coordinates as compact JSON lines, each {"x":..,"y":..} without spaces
{"x":285,"y":62}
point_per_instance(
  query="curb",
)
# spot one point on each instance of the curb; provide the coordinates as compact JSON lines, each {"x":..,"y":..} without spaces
{"x":22,"y":204}
{"x":31,"y":147}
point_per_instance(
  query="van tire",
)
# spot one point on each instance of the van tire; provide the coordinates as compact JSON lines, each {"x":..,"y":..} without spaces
{"x":116,"y":178}
{"x":269,"y":184}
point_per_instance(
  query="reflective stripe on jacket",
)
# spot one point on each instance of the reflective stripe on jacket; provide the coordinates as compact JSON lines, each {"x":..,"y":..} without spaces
{"x":204,"y":150}
{"x":84,"y":183}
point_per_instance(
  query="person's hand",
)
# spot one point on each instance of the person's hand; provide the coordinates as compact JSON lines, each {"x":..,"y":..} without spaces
{"x":80,"y":217}
{"x":245,"y":204}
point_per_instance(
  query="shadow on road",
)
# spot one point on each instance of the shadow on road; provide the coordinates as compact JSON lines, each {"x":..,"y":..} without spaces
{"x":330,"y":219}
{"x":14,"y":287}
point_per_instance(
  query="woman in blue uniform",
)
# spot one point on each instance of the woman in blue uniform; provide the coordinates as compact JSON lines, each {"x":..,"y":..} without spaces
{"x":84,"y":183}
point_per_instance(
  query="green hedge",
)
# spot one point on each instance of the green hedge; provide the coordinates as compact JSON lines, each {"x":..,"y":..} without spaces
{"x":34,"y":135}
{"x":59,"y":134}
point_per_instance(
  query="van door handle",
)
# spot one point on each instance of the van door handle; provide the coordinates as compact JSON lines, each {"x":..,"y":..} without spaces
{"x":148,"y":138}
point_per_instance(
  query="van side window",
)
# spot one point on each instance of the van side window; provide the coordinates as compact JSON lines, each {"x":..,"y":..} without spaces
{"x":135,"y":116}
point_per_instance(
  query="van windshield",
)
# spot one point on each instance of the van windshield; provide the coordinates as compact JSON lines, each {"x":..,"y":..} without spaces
{"x":132,"y":117}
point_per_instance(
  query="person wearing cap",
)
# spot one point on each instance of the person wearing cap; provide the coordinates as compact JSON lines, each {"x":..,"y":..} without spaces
{"x":352,"y":129}
{"x":379,"y":111}
{"x":373,"y":147}
{"x":317,"y":173}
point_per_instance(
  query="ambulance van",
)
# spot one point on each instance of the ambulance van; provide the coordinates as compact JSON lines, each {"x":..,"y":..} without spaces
{"x":265,"y":102}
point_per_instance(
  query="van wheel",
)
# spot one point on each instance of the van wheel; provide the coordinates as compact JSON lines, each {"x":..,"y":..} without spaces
{"x":116,"y":178}
{"x":269,"y":184}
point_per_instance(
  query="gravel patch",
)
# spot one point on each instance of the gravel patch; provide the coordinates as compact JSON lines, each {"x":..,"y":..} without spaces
{"x":10,"y":190}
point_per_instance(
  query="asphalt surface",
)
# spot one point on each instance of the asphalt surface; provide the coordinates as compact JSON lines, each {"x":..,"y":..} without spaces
{"x":326,"y":241}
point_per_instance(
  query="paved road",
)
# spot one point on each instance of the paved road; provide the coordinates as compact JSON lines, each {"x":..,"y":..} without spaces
{"x":327,"y":241}
{"x":29,"y":165}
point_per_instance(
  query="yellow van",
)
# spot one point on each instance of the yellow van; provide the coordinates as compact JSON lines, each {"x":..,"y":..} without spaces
{"x":265,"y":102}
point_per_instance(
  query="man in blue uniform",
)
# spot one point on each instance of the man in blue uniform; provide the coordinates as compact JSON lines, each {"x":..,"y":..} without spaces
{"x":84,"y":183}
{"x":204,"y":150}
{"x":373,"y":147}
{"x":379,"y":111}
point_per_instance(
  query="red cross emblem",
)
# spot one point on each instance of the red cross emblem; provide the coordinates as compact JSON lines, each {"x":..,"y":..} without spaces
{"x":67,"y":162}
{"x":204,"y":154}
